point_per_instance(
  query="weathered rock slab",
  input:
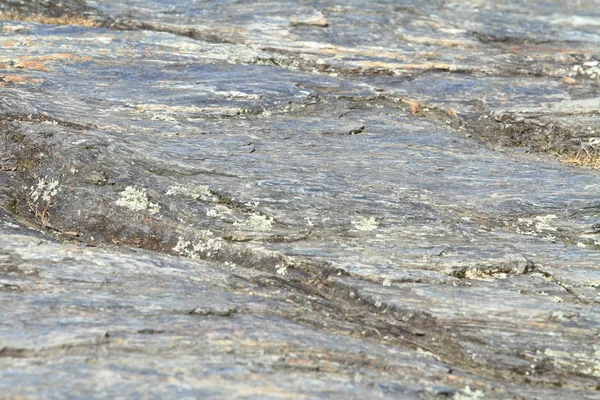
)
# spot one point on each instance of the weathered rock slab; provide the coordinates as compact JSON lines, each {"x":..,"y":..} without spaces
{"x":275,"y":200}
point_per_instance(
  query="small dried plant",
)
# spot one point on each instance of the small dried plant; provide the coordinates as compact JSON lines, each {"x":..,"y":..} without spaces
{"x":41,"y":199}
{"x":588,"y":154}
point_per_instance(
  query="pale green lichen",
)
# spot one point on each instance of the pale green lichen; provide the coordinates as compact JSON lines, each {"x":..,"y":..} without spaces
{"x":256,"y":222}
{"x":45,"y":190}
{"x":366,"y":224}
{"x":137,"y":200}
{"x":206,"y":244}
{"x":200,"y":192}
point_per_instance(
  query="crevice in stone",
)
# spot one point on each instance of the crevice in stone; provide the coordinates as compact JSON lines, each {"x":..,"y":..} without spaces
{"x":39,"y":118}
{"x":482,"y":272}
{"x":564,"y":286}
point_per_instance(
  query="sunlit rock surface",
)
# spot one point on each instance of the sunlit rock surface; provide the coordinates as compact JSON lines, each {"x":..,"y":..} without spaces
{"x":300,"y":200}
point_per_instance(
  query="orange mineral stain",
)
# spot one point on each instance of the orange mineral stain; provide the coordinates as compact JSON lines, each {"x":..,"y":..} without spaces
{"x":41,"y":63}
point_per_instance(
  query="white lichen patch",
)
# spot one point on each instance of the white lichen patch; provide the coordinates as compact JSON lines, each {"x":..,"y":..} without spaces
{"x":218,"y":211}
{"x":542,"y":222}
{"x":45,"y":190}
{"x":589,"y":68}
{"x":256,"y":222}
{"x":235,"y":94}
{"x":537,"y":224}
{"x":469,"y":394}
{"x":137,"y":200}
{"x":366,"y":224}
{"x":162,"y":117}
{"x":200,"y":192}
{"x":487,"y":275}
{"x":387,"y":281}
{"x":586,"y":363}
{"x":549,"y":238}
{"x":427,"y":354}
{"x":282,"y":270}
{"x":206,"y":244}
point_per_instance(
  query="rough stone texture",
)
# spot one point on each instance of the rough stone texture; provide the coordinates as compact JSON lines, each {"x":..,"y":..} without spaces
{"x":299,"y":200}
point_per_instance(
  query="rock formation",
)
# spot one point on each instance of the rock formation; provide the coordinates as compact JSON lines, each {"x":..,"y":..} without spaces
{"x":216,"y":199}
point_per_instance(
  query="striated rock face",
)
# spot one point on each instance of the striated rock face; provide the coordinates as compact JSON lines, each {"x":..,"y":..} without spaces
{"x":300,"y":200}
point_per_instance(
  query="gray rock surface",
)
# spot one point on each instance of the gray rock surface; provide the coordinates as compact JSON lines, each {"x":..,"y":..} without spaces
{"x":299,"y":200}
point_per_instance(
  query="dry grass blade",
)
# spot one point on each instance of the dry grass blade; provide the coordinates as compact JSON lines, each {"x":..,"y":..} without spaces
{"x":587,"y":156}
